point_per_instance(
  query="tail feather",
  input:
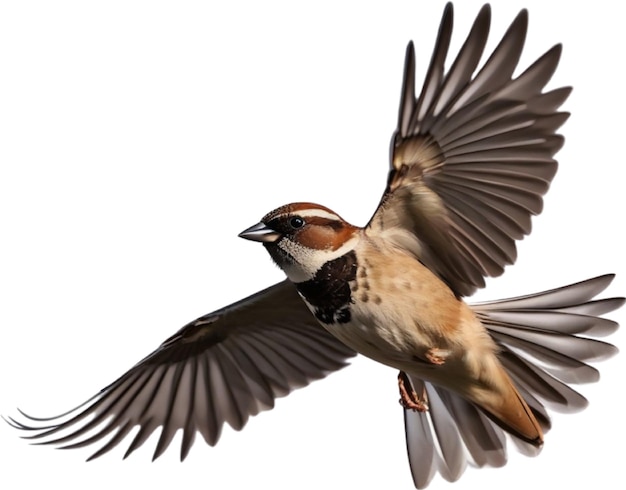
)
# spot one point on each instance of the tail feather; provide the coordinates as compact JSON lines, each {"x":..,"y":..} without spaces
{"x":546,"y":341}
{"x":575,"y":294}
{"x":509,"y":410}
{"x":539,"y":410}
{"x":540,"y":341}
{"x":553,"y":393}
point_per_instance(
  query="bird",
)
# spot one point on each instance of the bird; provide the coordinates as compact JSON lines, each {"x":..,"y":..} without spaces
{"x":471,"y":158}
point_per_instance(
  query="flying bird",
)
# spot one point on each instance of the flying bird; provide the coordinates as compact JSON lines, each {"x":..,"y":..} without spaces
{"x":470,"y":160}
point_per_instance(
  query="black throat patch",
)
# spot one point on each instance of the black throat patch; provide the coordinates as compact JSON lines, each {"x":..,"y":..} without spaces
{"x":329,"y":292}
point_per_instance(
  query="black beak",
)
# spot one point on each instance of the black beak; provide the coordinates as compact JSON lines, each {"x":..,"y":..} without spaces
{"x":260,"y":233}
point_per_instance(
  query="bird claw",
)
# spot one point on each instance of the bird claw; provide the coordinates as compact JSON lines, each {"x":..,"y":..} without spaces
{"x":409,"y":399}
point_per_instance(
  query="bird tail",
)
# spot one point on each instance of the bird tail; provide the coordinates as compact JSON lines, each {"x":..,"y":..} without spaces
{"x":545,"y":341}
{"x":507,"y":408}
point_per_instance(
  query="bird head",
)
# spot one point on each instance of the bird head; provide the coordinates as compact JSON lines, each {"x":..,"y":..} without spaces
{"x":302,"y":237}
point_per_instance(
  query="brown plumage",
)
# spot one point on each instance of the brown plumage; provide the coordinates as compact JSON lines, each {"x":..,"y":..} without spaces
{"x":401,"y":336}
{"x":471,"y":158}
{"x":473,"y":363}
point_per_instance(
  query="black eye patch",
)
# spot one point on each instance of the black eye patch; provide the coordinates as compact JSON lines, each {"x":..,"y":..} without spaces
{"x":286,"y":224}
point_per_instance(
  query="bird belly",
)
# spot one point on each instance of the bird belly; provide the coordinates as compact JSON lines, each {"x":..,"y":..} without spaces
{"x":387,"y":342}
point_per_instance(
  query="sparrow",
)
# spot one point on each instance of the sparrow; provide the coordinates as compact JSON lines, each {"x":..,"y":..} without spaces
{"x":470,"y":160}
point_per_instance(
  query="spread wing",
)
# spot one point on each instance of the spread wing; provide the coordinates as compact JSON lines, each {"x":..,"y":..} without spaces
{"x":472,"y":156}
{"x":223,"y":367}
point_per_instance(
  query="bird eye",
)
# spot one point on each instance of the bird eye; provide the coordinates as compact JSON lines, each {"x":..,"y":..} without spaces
{"x":296,"y":222}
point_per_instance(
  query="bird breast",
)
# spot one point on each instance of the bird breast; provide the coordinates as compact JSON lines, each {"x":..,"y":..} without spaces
{"x":397,"y":312}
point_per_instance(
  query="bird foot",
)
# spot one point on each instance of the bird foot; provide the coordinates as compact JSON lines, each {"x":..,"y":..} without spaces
{"x":409,"y":399}
{"x":437,"y":356}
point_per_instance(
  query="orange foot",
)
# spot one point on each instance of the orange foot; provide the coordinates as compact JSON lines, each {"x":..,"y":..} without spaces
{"x":409,"y":399}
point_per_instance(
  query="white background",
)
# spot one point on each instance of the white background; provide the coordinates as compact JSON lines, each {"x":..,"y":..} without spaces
{"x":138,"y":138}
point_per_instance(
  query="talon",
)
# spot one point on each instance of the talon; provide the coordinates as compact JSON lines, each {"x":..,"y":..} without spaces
{"x":409,"y":399}
{"x":437,"y":356}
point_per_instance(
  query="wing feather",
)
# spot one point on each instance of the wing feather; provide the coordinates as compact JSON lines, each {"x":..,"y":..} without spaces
{"x":473,"y":151}
{"x":221,"y":368}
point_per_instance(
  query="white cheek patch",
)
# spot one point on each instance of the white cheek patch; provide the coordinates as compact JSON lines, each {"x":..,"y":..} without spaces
{"x":309,"y":261}
{"x":297,"y":271}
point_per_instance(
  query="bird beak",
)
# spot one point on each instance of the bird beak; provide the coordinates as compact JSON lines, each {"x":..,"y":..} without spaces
{"x":260,"y":233}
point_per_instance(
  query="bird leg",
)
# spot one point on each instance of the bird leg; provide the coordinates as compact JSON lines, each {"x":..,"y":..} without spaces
{"x":409,"y":399}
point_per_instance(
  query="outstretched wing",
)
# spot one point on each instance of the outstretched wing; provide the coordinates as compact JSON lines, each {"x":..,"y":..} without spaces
{"x":546,"y":341}
{"x":222,"y":367}
{"x":472,"y":156}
